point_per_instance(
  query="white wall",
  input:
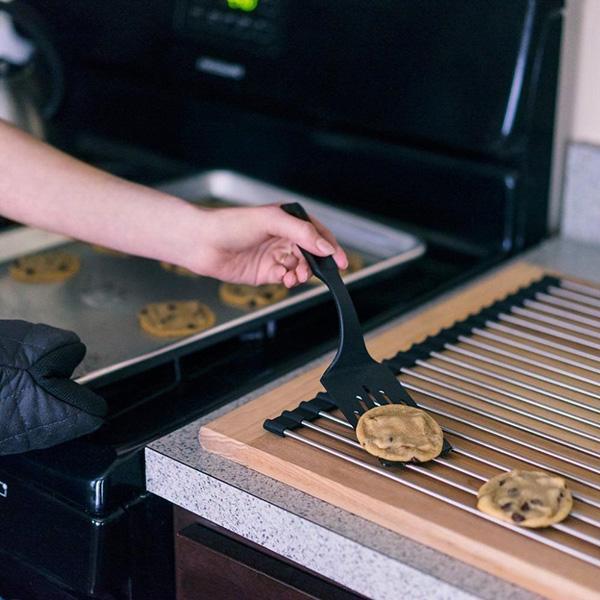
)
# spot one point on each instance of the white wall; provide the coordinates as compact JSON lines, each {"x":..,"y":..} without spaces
{"x":573,"y":102}
{"x":576,"y":177}
{"x":586,"y":108}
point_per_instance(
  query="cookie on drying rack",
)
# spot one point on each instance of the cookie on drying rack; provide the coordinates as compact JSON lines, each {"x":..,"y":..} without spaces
{"x":176,"y":318}
{"x":526,"y":498}
{"x":50,"y":267}
{"x":248,"y":297}
{"x":400,"y":433}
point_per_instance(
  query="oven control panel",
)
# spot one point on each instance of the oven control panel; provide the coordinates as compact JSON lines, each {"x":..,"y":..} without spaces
{"x":251,"y":24}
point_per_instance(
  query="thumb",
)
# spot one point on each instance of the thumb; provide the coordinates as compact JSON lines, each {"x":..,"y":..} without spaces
{"x":300,"y":232}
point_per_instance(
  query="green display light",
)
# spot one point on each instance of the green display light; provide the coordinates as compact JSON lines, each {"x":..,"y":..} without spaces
{"x":245,"y":5}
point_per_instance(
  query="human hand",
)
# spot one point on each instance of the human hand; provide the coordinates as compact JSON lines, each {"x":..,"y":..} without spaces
{"x":258,"y":245}
{"x":43,"y":187}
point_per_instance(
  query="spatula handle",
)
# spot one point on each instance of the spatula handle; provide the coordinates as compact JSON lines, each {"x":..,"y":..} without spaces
{"x":352,"y":349}
{"x":321,"y":266}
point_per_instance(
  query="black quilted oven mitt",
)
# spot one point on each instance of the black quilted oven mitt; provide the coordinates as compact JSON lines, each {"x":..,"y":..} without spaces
{"x":40,"y":406}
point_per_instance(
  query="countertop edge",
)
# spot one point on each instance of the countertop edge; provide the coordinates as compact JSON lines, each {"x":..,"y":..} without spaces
{"x":316,"y":548}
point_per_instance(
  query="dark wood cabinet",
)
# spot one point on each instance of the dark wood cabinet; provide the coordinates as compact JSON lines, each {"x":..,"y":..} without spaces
{"x":214,"y":563}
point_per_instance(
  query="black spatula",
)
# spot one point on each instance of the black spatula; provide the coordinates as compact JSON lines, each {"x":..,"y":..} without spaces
{"x":354,"y":381}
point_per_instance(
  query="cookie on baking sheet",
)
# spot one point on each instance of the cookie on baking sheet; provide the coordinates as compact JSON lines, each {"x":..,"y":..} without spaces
{"x":171,"y":268}
{"x":50,"y":267}
{"x":397,"y":432}
{"x":249,"y":296}
{"x":526,"y":498}
{"x":175,"y":318}
{"x":108,"y":251}
{"x":355,"y":263}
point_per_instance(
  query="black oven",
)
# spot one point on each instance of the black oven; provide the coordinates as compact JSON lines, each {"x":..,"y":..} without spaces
{"x":430,"y":115}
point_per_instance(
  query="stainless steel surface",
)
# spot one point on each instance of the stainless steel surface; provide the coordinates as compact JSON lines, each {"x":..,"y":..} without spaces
{"x":524,"y":359}
{"x":503,"y":436}
{"x":564,"y":314}
{"x":510,"y":367}
{"x":512,"y":381}
{"x":498,"y":390}
{"x":557,"y":291}
{"x":582,"y":308}
{"x":581,"y":288}
{"x":101,"y":302}
{"x":534,"y":350}
{"x":532,"y":314}
{"x":534,"y":463}
{"x":548,"y":331}
{"x":504,"y":406}
{"x":493,"y":417}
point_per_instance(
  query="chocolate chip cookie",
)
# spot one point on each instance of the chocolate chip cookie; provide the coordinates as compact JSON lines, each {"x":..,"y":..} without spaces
{"x":176,"y":318}
{"x":248,"y":297}
{"x":50,"y":267}
{"x":526,"y":498}
{"x":397,"y":432}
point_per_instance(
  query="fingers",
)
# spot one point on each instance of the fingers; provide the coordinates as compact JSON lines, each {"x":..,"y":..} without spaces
{"x":290,"y":279}
{"x":282,"y":262}
{"x":276,"y":274}
{"x":288,"y":260}
{"x":288,"y":263}
{"x":303,"y":271}
{"x":295,"y":264}
{"x":302,"y":233}
{"x":291,"y":272}
{"x":279,"y":274}
{"x":339,"y":255}
{"x":300,"y":274}
{"x":300,"y":266}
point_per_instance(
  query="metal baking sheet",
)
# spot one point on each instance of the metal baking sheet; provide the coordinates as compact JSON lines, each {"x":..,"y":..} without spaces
{"x":102,"y":301}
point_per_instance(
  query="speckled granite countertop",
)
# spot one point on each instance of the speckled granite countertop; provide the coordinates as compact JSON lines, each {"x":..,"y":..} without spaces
{"x":356,"y":553}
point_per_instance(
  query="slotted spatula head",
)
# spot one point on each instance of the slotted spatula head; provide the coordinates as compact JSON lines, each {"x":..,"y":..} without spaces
{"x":362,"y":387}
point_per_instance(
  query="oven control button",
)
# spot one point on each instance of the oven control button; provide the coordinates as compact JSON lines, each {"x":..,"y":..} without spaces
{"x":251,"y":25}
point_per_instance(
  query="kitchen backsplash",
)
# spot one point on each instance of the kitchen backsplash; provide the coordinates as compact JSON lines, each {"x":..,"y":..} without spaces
{"x":581,"y":200}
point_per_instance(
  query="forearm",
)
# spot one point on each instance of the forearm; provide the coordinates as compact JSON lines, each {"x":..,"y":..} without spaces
{"x":43,"y":187}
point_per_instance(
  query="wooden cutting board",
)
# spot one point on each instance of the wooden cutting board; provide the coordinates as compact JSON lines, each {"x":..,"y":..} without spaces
{"x":239,"y":436}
